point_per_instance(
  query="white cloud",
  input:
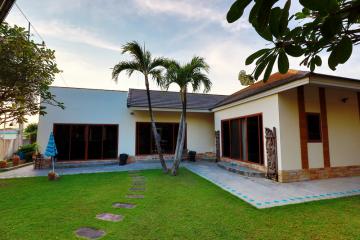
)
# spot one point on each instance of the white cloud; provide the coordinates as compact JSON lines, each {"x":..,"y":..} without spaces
{"x":75,"y":34}
{"x":79,"y":71}
{"x":64,"y":32}
{"x":191,"y":10}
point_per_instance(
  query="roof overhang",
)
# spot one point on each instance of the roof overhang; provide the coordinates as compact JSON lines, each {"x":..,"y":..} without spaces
{"x":169,"y":110}
{"x":288,"y":86}
{"x":335,"y":82}
{"x":5,"y":7}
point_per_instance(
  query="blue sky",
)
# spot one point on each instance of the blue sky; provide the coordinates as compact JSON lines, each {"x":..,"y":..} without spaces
{"x":87,"y":36}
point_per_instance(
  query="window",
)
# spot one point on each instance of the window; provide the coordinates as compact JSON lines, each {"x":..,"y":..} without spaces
{"x":86,"y":141}
{"x":313,"y":127}
{"x":242,"y":139}
{"x":145,"y":143}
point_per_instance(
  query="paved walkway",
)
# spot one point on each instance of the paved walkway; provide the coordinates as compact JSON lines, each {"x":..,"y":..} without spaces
{"x":264,"y":193}
{"x":30,"y":172}
{"x":259,"y":192}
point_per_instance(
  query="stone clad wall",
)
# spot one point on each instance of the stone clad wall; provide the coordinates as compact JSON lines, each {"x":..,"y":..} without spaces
{"x":318,"y":173}
{"x":207,"y":156}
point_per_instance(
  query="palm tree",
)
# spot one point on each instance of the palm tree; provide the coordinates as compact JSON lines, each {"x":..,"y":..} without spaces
{"x":193,"y":73}
{"x":143,"y":62}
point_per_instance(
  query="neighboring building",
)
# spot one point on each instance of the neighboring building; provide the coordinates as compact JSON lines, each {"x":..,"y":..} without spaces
{"x":9,"y":142}
{"x":316,"y":117}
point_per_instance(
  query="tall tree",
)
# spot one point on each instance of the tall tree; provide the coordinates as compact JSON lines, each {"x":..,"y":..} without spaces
{"x":193,"y":73}
{"x":322,"y":25}
{"x":27,"y":70}
{"x":143,"y":62}
{"x":31,"y":132}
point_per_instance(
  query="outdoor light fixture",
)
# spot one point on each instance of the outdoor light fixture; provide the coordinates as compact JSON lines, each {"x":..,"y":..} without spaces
{"x":345,"y":99}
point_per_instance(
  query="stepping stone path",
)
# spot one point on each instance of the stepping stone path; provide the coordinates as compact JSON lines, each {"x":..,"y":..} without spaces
{"x":138,"y":177}
{"x":90,"y":233}
{"x":137,"y":189}
{"x":138,"y":196}
{"x":138,"y":185}
{"x":110,"y":217}
{"x":124,"y":205}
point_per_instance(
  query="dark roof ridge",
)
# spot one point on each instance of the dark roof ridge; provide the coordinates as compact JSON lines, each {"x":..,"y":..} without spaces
{"x":171,"y":100}
{"x":84,"y":88}
{"x":198,"y":93}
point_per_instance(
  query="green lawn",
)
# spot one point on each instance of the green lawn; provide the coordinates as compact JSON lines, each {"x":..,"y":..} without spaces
{"x":183,"y":207}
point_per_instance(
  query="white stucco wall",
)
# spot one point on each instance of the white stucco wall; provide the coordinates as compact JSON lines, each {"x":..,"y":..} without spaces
{"x":290,"y":132}
{"x":343,"y":128}
{"x":268,"y":106}
{"x":86,"y":106}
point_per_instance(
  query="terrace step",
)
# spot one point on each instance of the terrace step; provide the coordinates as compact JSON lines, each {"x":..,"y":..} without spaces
{"x":241,"y":170}
{"x":89,"y":163}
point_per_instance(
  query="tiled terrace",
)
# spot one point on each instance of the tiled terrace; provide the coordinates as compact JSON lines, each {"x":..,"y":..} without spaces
{"x":259,"y":192}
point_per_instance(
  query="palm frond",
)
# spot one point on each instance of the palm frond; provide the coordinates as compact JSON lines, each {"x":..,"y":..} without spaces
{"x":199,"y":64}
{"x":128,"y":66}
{"x":200,"y":79}
{"x":193,"y":73}
{"x":162,"y":62}
{"x":135,"y":50}
{"x":158,"y":77}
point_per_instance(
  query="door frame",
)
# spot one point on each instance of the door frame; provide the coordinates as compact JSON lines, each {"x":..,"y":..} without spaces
{"x":260,"y":135}
{"x":86,"y":136}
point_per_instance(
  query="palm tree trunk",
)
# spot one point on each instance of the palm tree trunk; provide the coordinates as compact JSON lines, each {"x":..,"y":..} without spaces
{"x":182,"y":134}
{"x":178,"y":139}
{"x":154,"y":129}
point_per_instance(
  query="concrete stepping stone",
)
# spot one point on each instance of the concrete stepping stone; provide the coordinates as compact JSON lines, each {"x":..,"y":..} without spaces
{"x":135,"y":196}
{"x":89,"y":233}
{"x":137,"y":177}
{"x":138,"y":183}
{"x":134,"y":174}
{"x":110,"y":217}
{"x":137,"y":189}
{"x":134,"y":171}
{"x":124,"y":205}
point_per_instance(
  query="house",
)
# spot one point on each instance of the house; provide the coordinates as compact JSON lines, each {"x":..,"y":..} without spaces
{"x":101,"y":124}
{"x":313,"y":119}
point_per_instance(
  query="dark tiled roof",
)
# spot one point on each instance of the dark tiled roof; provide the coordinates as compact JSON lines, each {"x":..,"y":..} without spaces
{"x":275,"y":80}
{"x":166,"y":99}
{"x":5,"y":6}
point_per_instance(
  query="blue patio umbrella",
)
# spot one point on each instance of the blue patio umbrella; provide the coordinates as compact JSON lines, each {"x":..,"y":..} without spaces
{"x":51,"y":150}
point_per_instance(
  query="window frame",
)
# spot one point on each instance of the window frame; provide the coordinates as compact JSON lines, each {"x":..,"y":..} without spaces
{"x":260,"y":139}
{"x":137,"y":138}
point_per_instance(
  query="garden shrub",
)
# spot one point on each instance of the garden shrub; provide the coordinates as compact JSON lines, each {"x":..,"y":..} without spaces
{"x":27,"y":151}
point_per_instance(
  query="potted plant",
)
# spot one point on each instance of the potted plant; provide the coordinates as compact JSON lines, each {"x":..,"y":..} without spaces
{"x":123,"y":159}
{"x":15,"y":160}
{"x":192,"y":156}
{"x":3,"y":163}
{"x":53,"y":176}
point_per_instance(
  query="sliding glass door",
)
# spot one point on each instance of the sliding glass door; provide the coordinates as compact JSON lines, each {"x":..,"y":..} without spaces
{"x":242,"y":139}
{"x":86,"y":141}
{"x":144,"y":138}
